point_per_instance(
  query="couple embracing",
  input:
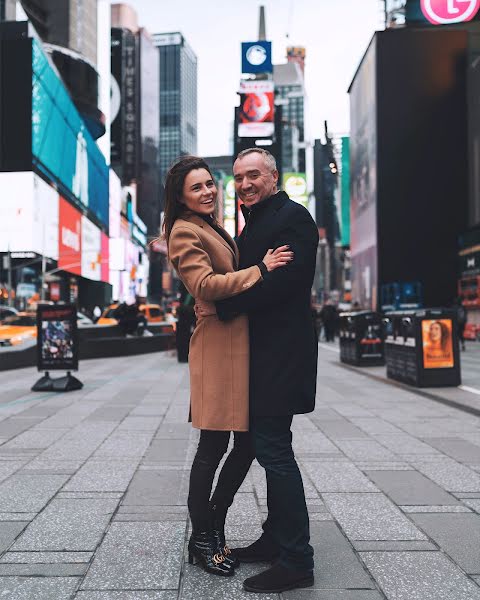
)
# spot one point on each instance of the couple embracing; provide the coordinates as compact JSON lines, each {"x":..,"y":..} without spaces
{"x":253,"y":359}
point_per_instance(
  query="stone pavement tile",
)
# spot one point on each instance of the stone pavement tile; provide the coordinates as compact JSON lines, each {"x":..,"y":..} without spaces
{"x":28,"y":492}
{"x":313,"y":594}
{"x":336,"y":565}
{"x":10,"y":467}
{"x":463,"y":495}
{"x":167,"y":450}
{"x":36,"y":438}
{"x":476,"y":578}
{"x":350,"y":410}
{"x":371,"y":517}
{"x":365,"y":450}
{"x":110,"y":413}
{"x":393,"y":546}
{"x":419,"y":576}
{"x":435,"y":509}
{"x":410,"y":487}
{"x":312,"y":442}
{"x":473,"y":503}
{"x":338,"y":477}
{"x":80,"y":442}
{"x":244,"y":510}
{"x":124,"y":444}
{"x":46,"y":557}
{"x":457,"y":448}
{"x":108,"y":476}
{"x":42,"y":570}
{"x":154,"y":488}
{"x":451,"y":475}
{"x":9,"y":531}
{"x":376,"y":426}
{"x":59,"y":467}
{"x":340,"y":429}
{"x":457,"y":534}
{"x":127,"y":595}
{"x":303,"y":423}
{"x":138,"y":556}
{"x":68,"y":525}
{"x":402,"y":443}
{"x":11,"y":427}
{"x":38,"y":588}
{"x":198,"y":585}
{"x":139,"y":423}
{"x":384,"y":466}
{"x":174,"y":431}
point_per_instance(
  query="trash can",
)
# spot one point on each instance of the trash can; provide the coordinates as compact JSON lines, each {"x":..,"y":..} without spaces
{"x":361,"y":338}
{"x":421,"y":347}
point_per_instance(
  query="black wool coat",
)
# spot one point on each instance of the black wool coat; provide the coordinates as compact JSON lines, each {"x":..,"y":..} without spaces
{"x":283,"y":343}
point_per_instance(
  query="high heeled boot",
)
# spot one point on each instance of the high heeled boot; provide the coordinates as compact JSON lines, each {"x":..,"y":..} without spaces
{"x":218,"y":515}
{"x":202,"y":548}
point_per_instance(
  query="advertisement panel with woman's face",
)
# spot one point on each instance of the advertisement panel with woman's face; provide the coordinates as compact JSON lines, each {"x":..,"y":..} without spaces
{"x":437,"y":342}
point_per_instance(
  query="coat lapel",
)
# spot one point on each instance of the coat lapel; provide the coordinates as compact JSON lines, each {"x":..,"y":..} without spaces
{"x":193,"y":218}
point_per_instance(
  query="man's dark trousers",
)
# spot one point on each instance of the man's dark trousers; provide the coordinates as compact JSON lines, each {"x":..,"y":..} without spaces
{"x":287,"y":525}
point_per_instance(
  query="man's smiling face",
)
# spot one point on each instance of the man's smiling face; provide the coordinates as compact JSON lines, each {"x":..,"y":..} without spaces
{"x":254,"y":180}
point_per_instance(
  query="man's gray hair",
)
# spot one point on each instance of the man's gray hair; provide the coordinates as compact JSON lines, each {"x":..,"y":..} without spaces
{"x":268,"y":157}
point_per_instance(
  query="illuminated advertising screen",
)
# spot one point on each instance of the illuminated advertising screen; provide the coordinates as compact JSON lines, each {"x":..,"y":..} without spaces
{"x":69,"y":238}
{"x":256,"y":114}
{"x":363,"y":182}
{"x":62,"y":147}
{"x":295,"y":185}
{"x":105,"y":254}
{"x":57,"y":341}
{"x":449,"y":12}
{"x":257,"y":57}
{"x":437,"y":340}
{"x":91,"y":250}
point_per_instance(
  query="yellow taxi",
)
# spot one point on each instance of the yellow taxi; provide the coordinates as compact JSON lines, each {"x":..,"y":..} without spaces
{"x":18,"y":328}
{"x":154,"y":313}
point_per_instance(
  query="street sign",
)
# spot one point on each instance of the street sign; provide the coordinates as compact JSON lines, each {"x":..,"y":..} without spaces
{"x":447,"y":12}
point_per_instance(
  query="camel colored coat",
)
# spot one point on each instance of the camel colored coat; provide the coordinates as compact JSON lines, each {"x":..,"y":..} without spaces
{"x":219,"y":351}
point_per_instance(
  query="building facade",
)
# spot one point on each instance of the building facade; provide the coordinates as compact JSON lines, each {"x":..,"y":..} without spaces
{"x":178,"y":98}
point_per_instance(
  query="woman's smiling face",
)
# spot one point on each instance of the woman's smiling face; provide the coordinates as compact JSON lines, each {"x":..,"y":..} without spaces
{"x":199,"y":192}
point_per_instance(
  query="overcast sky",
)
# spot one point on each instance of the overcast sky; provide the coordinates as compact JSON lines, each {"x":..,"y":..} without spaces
{"x":335,"y":33}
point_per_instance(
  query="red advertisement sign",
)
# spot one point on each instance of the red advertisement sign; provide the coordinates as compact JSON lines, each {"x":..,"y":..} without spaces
{"x":69,"y":238}
{"x":104,"y":270}
{"x":256,"y":116}
{"x":446,"y":12}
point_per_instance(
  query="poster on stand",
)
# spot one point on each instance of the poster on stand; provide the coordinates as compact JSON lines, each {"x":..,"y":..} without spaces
{"x":57,"y":339}
{"x":437,"y":341}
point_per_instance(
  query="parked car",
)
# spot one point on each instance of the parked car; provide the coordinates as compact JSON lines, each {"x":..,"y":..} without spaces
{"x":7,"y":311}
{"x":18,"y":328}
{"x":83,"y":320}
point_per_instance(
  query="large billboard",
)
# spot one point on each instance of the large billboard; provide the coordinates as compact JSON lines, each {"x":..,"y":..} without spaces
{"x":28,"y":215}
{"x":62,"y":147}
{"x":363,"y":181}
{"x":257,"y":111}
{"x":69,"y":238}
{"x":91,"y":250}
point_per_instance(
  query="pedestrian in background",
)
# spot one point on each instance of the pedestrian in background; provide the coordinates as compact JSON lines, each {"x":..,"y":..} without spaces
{"x":206,"y":259}
{"x":329,"y":318}
{"x":283,"y":364}
{"x":461,"y":321}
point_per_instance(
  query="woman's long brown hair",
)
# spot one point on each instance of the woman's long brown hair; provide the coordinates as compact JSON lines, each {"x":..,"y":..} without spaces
{"x":174,"y":183}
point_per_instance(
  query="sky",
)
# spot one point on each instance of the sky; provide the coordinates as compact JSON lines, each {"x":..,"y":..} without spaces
{"x":335,"y":34}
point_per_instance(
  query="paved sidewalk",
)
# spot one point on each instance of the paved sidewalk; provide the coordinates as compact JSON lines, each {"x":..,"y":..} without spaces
{"x":93,"y":488}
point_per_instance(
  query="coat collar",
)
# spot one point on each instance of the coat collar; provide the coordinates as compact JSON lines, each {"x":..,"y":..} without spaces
{"x":274,"y":202}
{"x":196,"y":219}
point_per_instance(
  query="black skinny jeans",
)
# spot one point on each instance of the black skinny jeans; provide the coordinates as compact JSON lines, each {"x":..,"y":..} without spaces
{"x":211,"y":448}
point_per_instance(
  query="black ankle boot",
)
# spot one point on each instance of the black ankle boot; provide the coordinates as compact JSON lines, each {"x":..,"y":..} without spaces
{"x":218,"y":514}
{"x":203,"y":548}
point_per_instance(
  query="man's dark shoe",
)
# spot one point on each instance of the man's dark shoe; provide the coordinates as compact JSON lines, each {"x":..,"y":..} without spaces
{"x":278,"y":579}
{"x":260,"y":551}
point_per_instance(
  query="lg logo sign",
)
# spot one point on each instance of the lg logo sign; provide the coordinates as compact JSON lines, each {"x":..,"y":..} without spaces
{"x":446,"y":12}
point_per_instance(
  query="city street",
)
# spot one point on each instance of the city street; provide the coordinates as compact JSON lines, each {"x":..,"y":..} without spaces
{"x":94,"y":485}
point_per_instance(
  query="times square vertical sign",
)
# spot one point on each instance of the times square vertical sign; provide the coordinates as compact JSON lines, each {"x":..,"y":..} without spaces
{"x":125,"y":108}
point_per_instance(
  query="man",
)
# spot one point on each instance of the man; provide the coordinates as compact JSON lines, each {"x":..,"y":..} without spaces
{"x":283,"y":364}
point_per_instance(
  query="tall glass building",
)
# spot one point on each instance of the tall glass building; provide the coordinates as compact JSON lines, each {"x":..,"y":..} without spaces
{"x":178,"y":98}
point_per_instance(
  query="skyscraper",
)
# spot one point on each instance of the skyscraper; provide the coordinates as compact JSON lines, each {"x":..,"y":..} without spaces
{"x":289,"y":90}
{"x":178,"y":98}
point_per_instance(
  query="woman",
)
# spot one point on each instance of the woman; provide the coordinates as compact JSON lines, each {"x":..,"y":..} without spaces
{"x":206,"y":259}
